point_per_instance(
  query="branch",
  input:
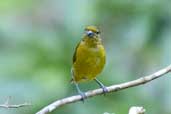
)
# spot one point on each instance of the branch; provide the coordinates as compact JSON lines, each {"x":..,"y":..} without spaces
{"x":112,"y":88}
{"x":14,"y":106}
{"x":7,"y":105}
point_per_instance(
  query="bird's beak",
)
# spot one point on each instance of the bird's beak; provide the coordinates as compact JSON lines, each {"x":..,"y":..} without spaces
{"x":90,"y":34}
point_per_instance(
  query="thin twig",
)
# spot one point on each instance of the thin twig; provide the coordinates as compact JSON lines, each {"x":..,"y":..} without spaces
{"x":112,"y":88}
{"x":8,"y":105}
{"x":14,"y":106}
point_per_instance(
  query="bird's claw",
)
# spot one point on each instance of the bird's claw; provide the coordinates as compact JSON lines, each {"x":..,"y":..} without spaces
{"x":83,"y":96}
{"x":105,"y":90}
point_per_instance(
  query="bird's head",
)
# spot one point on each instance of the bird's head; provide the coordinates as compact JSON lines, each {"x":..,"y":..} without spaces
{"x":92,"y":32}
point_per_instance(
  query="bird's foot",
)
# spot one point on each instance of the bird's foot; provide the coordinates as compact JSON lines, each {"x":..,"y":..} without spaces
{"x":105,"y":90}
{"x":83,"y":96}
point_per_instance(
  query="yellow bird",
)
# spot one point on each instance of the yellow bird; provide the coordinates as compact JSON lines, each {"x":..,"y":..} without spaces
{"x":89,"y":59}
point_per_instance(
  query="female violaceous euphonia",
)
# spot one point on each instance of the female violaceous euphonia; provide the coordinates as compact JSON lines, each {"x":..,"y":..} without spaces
{"x":89,"y":59}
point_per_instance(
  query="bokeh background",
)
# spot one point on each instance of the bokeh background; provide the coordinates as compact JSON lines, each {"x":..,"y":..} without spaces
{"x":37,"y":42}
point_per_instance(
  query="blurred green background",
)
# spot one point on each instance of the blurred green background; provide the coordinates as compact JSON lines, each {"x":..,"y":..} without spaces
{"x":38,"y":38}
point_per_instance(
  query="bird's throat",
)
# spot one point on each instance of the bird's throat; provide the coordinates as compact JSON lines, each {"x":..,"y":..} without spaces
{"x":92,"y":42}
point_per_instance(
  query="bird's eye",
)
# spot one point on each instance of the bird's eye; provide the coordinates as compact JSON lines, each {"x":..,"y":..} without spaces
{"x":98,"y":32}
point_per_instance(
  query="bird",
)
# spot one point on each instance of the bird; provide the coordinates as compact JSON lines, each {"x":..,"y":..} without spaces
{"x":89,"y":59}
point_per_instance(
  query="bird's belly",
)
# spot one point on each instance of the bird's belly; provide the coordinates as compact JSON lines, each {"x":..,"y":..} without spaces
{"x":88,"y":66}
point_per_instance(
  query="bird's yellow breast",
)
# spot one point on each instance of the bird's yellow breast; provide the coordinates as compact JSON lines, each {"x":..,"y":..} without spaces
{"x":89,"y":60}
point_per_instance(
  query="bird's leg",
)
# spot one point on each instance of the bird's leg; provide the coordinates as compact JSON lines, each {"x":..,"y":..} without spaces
{"x":77,"y":87}
{"x":102,"y":86}
{"x":80,"y":92}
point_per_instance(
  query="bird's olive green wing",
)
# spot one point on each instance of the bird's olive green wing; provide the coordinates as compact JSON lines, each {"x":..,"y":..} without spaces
{"x":74,"y":56}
